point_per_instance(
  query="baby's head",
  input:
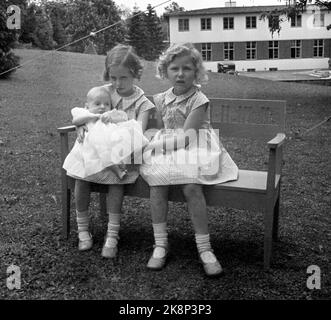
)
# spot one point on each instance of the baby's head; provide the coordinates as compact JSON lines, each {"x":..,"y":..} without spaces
{"x":98,"y":100}
{"x":181,"y":50}
{"x":124,"y":56}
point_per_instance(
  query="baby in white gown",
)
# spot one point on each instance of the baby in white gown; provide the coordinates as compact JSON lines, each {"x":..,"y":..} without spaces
{"x":109,"y":141}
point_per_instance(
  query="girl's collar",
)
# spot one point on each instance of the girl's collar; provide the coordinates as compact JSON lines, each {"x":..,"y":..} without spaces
{"x":171,"y":97}
{"x":127,"y":101}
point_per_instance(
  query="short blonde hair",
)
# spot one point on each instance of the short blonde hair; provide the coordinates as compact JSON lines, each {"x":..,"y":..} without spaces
{"x":123,"y":55}
{"x":180,"y":50}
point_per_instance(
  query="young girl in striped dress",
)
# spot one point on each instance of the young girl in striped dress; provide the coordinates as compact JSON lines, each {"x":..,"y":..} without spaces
{"x":185,"y":152}
{"x":122,"y":67}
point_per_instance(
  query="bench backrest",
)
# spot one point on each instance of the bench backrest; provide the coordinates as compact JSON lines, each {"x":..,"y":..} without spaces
{"x":248,"y":118}
{"x":245,"y":118}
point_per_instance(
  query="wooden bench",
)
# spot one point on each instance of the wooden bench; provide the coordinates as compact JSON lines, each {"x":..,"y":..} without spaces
{"x":254,"y":190}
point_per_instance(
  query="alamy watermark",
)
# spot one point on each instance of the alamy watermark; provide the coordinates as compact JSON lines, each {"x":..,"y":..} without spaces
{"x":192,"y":150}
{"x":13,"y":280}
{"x":13,"y":277}
{"x":314,"y":280}
{"x":14,"y":19}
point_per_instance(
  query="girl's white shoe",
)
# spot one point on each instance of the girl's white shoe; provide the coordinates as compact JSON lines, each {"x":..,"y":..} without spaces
{"x":109,"y":249}
{"x":85,"y":241}
{"x":210,"y":264}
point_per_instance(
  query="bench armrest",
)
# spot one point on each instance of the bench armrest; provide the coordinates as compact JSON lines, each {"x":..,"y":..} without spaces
{"x":276,"y":141}
{"x":275,"y":162}
{"x":66,"y":129}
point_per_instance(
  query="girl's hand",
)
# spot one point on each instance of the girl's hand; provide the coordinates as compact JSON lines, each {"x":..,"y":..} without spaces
{"x":81,"y":133}
{"x":106,"y":117}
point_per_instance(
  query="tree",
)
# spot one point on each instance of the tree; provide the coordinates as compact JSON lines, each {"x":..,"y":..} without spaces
{"x":43,"y":34}
{"x":8,"y":59}
{"x":57,"y":11}
{"x":145,"y":33}
{"x":154,"y":41}
{"x":292,"y":9}
{"x":137,"y":31}
{"x":29,"y":23}
{"x":86,"y":16}
{"x":173,"y":7}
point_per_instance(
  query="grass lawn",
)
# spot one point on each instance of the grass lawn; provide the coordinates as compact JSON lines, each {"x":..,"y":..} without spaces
{"x":37,"y":99}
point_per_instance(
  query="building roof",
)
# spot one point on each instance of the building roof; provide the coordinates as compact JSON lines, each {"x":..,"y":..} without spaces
{"x":225,"y":10}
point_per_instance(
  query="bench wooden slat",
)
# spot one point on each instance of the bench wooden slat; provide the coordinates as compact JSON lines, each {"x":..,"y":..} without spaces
{"x":253,"y":131}
{"x":248,"y":118}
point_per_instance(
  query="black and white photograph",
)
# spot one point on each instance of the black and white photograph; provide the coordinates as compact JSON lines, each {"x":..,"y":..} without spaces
{"x":167,"y":156}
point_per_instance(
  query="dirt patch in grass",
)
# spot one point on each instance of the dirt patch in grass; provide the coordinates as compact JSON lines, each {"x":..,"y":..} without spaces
{"x":37,"y":99}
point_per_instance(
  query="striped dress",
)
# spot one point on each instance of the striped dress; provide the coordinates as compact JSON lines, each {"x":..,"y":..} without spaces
{"x":203,"y":161}
{"x":133,"y":105}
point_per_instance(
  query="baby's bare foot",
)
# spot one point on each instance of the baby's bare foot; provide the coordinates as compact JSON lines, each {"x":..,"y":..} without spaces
{"x":122,"y":174}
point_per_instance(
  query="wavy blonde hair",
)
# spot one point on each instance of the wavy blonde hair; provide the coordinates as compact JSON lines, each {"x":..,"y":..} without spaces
{"x":180,"y":50}
{"x":123,"y":55}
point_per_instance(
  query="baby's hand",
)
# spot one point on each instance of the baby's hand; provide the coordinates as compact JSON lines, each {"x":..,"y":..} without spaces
{"x":96,"y":116}
{"x":106,"y":117}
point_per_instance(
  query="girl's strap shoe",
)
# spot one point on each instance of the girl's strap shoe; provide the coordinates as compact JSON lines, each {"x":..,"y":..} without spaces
{"x":85,"y":241}
{"x":210,"y":264}
{"x":109,"y":249}
{"x":155,"y":262}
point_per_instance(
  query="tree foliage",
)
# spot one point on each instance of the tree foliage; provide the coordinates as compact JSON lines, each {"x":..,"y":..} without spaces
{"x":29,"y":24}
{"x":86,"y":16}
{"x":145,"y":33}
{"x":292,"y":9}
{"x":76,"y":25}
{"x":173,"y":7}
{"x":57,"y":13}
{"x":137,"y":31}
{"x":154,"y":40}
{"x":43,"y":34}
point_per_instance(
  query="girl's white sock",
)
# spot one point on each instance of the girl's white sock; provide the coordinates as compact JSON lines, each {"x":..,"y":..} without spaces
{"x":204,"y":248}
{"x":161,"y":239}
{"x":113,"y":229}
{"x":83,"y":221}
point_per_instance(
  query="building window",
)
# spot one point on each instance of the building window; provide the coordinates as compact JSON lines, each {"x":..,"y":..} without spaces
{"x":318,"y":48}
{"x":205,"y":23}
{"x":250,"y":50}
{"x":183,"y":25}
{"x":273,"y":21}
{"x":228,"y":51}
{"x":295,"y":48}
{"x":296,"y":21}
{"x":318,"y":19}
{"x":251,"y":22}
{"x":273,"y":50}
{"x":206,"y":51}
{"x":228,"y":23}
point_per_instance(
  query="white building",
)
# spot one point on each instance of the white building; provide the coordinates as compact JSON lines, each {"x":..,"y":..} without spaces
{"x":239,"y":35}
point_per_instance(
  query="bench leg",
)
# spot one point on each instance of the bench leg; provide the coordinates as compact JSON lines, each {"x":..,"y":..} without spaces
{"x":276,"y":221}
{"x":66,"y":198}
{"x":268,"y":235}
{"x":103,"y":204}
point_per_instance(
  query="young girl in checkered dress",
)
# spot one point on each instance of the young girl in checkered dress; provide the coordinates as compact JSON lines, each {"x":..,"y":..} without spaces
{"x":122,"y":67}
{"x":185,"y":152}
